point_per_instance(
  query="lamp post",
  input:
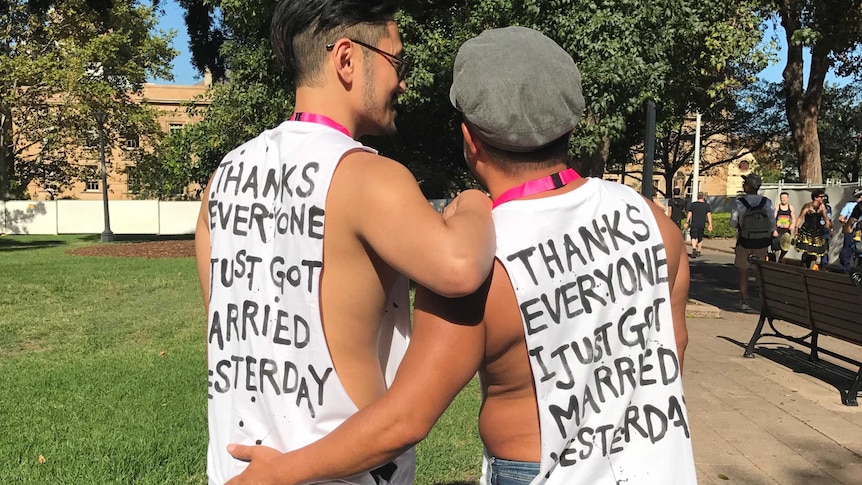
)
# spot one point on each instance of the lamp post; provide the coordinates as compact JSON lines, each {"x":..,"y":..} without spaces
{"x":101,"y":117}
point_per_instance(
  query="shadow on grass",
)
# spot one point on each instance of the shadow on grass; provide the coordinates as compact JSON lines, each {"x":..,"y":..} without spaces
{"x":456,"y":483}
{"x":7,"y":244}
{"x":799,"y":362}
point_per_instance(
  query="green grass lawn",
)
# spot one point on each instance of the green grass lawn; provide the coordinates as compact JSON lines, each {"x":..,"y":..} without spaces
{"x":103,"y":373}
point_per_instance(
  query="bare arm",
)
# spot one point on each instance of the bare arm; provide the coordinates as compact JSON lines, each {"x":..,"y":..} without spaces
{"x":801,"y":218}
{"x":444,"y":354}
{"x":709,"y":219}
{"x":678,"y":279}
{"x":202,"y":247}
{"x":451,"y":256}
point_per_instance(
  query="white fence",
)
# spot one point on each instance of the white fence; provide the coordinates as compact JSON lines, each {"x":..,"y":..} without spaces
{"x":127,"y":216}
{"x":86,"y":217}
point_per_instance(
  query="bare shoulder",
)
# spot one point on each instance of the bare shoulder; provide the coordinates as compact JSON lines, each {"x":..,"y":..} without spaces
{"x":368,"y":187}
{"x":374,"y":172}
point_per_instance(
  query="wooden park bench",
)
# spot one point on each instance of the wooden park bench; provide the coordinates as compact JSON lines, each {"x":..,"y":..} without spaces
{"x":825,"y":303}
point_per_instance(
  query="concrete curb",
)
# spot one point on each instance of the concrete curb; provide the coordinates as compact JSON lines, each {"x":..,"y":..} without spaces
{"x":699,"y":309}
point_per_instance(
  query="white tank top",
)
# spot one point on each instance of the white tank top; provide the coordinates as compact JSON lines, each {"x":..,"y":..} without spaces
{"x":590,"y":275}
{"x":271,"y":378}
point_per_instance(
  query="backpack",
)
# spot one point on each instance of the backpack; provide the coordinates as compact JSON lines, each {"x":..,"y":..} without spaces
{"x":677,"y":207}
{"x":755,"y":223}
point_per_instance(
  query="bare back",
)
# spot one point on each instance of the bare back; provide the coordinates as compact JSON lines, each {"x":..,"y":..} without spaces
{"x":508,"y":421}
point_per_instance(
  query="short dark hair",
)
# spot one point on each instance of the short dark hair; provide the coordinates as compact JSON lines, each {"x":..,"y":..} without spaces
{"x":784,"y":193}
{"x":817,"y":193}
{"x":301,"y":29}
{"x":513,"y":163}
{"x":676,"y":191}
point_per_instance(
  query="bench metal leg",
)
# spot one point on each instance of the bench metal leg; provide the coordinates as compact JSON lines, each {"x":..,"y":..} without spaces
{"x":749,"y":350}
{"x":849,"y":399}
{"x":814,"y":357}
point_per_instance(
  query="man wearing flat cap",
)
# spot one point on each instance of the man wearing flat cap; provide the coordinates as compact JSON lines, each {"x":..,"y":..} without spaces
{"x":751,"y":240}
{"x":578,"y":334}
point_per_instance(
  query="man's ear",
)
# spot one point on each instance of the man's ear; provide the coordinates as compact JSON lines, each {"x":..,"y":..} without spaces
{"x":343,"y":59}
{"x":471,"y":142}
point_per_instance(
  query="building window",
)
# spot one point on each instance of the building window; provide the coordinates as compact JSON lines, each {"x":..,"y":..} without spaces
{"x":174,"y":127}
{"x":132,"y":141}
{"x":131,"y":172}
{"x":91,"y":138}
{"x":92,"y":186}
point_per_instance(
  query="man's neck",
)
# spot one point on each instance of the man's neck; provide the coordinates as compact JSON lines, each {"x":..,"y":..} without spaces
{"x":498,"y":182}
{"x":324,"y":102}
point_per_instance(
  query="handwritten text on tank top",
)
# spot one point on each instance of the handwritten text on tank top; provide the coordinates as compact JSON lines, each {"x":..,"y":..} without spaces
{"x":277,"y":213}
{"x":608,"y":359}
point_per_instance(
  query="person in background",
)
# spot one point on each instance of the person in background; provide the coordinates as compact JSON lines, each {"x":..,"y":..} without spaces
{"x":810,"y":228}
{"x":785,"y":215}
{"x":754,"y":219}
{"x":827,"y":231}
{"x":848,"y":247}
{"x":676,"y":207}
{"x":699,"y":217}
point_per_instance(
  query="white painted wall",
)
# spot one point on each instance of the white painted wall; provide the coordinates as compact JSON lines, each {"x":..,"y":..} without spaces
{"x":86,"y":217}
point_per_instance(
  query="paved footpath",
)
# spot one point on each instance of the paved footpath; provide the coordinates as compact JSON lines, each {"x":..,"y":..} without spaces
{"x":773,"y":419}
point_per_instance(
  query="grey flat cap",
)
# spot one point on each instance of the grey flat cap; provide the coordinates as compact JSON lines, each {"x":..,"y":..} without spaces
{"x":517,"y":89}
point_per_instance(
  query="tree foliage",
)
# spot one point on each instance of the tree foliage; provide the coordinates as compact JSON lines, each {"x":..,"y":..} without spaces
{"x":832,"y":31}
{"x":59,"y":63}
{"x":839,"y":127}
{"x":840,"y":131}
{"x":682,"y":53}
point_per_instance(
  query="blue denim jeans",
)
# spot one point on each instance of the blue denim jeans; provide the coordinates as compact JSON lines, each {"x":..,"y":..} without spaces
{"x":506,"y":472}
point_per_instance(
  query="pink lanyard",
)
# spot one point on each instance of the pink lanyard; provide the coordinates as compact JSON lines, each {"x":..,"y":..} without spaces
{"x":316,"y":118}
{"x":551,"y":182}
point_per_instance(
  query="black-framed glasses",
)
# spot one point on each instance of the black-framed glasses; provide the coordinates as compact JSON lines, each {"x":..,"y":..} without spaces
{"x":401,"y":64}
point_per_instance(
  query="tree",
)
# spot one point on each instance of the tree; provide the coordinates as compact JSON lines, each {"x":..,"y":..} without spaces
{"x":680,"y":52}
{"x":840,"y":130}
{"x":832,"y":31}
{"x":749,"y":122}
{"x":60,"y":62}
{"x":253,"y":95}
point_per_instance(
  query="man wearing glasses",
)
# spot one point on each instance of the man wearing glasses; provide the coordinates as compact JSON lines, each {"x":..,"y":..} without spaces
{"x":848,"y":249}
{"x":307,"y":322}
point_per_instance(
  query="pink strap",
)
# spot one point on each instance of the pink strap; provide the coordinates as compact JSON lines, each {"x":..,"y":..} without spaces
{"x":320,"y":119}
{"x":551,"y":182}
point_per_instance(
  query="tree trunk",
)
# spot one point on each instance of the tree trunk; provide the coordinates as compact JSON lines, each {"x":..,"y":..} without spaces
{"x":6,"y":152}
{"x":808,"y":150}
{"x":593,"y":165}
{"x":803,"y":106}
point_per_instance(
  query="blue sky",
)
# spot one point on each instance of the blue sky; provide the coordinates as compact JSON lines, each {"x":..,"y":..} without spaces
{"x":184,"y":73}
{"x":172,"y":19}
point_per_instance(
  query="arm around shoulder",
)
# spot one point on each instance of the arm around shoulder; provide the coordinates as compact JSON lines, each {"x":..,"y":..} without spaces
{"x":451,"y":256}
{"x":445,"y":352}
